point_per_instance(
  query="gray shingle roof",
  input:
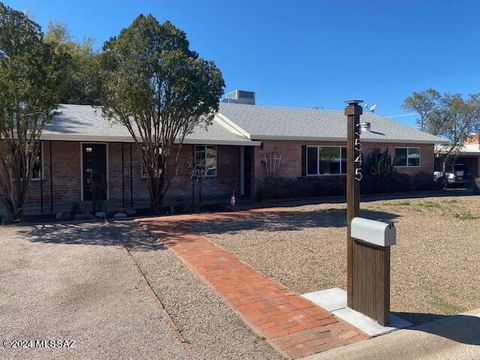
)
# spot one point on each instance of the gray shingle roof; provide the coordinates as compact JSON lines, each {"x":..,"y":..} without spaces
{"x":267,"y":122}
{"x":239,"y":124}
{"x":86,"y":123}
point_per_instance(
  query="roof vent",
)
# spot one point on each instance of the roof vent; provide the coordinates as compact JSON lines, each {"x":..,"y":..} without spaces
{"x":365,"y":126}
{"x":240,"y":97}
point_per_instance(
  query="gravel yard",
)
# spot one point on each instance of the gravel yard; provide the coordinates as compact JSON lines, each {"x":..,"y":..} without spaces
{"x":207,"y":323}
{"x":435,"y":264}
{"x":77,"y":282}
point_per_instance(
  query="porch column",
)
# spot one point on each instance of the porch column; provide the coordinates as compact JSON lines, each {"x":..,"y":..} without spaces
{"x":131,"y":176}
{"x":41,"y":176}
{"x":242,"y":170}
{"x":123,"y":180}
{"x":51,"y":177}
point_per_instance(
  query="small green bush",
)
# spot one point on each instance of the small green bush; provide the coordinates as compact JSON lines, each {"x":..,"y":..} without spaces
{"x":467,"y":215}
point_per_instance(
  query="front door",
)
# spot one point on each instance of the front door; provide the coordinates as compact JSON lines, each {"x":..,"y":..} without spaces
{"x":94,"y":172}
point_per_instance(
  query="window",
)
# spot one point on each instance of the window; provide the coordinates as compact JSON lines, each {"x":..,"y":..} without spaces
{"x":326,"y":160}
{"x":37,"y":164}
{"x":407,"y":157}
{"x":206,"y":160}
{"x":143,"y":172}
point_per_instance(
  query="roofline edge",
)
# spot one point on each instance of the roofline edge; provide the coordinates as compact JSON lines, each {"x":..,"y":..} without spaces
{"x":229,"y":123}
{"x":307,"y":138}
{"x":128,"y":139}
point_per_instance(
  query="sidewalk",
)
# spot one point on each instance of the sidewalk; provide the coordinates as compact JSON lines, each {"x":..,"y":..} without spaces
{"x":452,"y":337}
{"x":291,"y":324}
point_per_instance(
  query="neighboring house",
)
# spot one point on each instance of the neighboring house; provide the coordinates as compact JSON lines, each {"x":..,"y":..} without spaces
{"x":80,"y":146}
{"x":468,"y":156}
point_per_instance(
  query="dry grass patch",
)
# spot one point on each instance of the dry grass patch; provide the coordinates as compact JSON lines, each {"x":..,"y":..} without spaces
{"x":434,"y":264}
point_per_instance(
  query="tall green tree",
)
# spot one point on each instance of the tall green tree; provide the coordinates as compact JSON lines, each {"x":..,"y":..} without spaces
{"x":453,"y":117}
{"x":81,"y":85}
{"x":160,"y":90}
{"x":31,"y":75}
{"x":424,"y":104}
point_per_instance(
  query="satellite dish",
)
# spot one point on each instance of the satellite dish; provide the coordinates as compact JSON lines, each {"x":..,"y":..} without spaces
{"x":371,"y":108}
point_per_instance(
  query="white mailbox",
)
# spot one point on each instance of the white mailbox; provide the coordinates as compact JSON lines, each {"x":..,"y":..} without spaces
{"x":373,"y":232}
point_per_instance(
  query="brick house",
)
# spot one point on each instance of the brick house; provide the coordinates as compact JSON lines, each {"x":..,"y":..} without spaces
{"x":310,"y":142}
{"x":468,"y":155}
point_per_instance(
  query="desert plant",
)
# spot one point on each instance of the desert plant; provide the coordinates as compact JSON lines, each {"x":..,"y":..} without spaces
{"x":379,"y":163}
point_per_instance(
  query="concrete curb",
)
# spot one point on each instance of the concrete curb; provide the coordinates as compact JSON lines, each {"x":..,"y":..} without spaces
{"x":452,"y":337}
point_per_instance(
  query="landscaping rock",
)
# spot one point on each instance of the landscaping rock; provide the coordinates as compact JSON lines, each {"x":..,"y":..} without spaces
{"x":100,"y":215}
{"x":119,"y":215}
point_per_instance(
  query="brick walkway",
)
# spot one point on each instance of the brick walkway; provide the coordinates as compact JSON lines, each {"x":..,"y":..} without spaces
{"x":291,"y":324}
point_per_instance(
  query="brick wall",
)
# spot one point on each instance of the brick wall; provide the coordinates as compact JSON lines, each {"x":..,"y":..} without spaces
{"x":132,"y":177}
{"x":66,"y":175}
{"x":291,"y":156}
{"x":65,"y":168}
{"x":427,"y":158}
{"x":222,"y":185}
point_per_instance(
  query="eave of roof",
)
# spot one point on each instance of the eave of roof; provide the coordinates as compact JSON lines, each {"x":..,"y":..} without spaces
{"x":129,"y":139}
{"x":342,"y":139}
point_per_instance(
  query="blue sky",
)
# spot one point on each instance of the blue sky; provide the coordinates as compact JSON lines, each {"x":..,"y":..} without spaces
{"x":307,"y":53}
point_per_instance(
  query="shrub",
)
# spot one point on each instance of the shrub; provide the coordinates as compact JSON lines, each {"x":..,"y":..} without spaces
{"x":380,"y":176}
{"x":301,"y":187}
{"x":379,"y":163}
{"x":311,"y":186}
{"x":424,"y":182}
{"x":375,"y":184}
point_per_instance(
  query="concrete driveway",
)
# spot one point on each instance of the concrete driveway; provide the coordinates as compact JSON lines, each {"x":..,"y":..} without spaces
{"x":65,"y":289}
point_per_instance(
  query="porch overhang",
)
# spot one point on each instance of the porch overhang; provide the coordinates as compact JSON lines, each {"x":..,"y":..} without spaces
{"x":129,"y":139}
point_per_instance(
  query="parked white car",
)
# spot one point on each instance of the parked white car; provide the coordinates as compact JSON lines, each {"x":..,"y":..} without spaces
{"x":458,"y":176}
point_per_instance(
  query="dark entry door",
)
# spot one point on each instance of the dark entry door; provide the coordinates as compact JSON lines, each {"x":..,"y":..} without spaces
{"x":248,"y":169}
{"x":94,"y":172}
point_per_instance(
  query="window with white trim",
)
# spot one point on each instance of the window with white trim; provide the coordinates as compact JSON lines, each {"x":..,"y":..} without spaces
{"x":143,"y":172}
{"x":206,"y":160}
{"x":326,"y":160}
{"x":37,"y":162}
{"x":407,"y":157}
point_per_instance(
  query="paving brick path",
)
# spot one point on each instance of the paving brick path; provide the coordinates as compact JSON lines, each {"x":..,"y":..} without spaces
{"x":291,"y":324}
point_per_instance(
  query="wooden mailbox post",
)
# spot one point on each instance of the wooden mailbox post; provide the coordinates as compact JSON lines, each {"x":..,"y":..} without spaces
{"x":368,"y":266}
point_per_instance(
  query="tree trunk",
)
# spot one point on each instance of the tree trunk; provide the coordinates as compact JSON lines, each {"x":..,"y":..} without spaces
{"x":14,"y":203}
{"x":156,"y":189}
